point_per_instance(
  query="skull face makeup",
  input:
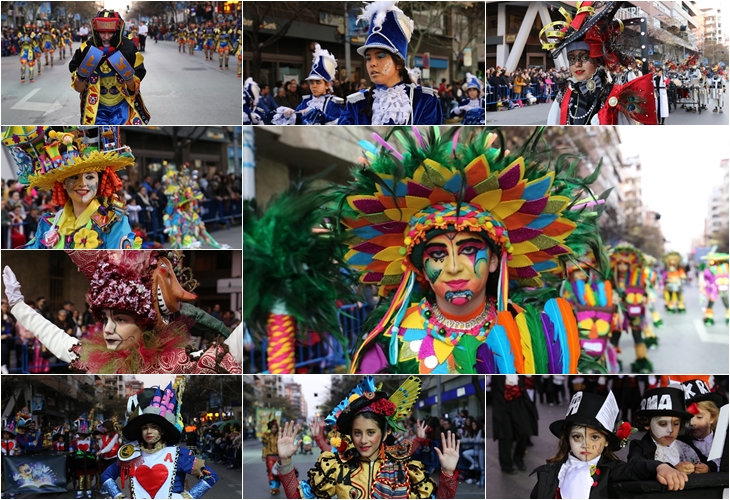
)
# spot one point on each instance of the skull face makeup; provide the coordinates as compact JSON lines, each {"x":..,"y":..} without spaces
{"x":664,"y":430}
{"x":586,"y":443}
{"x":457,"y":265}
{"x":120,"y":330}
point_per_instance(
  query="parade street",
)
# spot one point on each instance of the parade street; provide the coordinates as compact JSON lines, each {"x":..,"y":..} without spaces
{"x":232,"y":237}
{"x":537,"y":115}
{"x":257,"y":483}
{"x":178,"y":89}
{"x":686,"y":345}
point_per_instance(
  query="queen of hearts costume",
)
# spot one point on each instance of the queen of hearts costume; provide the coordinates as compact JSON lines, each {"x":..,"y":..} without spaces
{"x":597,"y":100}
{"x":146,"y":285}
{"x":405,"y":103}
{"x":157,"y":470}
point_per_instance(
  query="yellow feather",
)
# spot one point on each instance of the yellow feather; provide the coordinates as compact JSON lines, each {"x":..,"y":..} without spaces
{"x":406,"y":396}
{"x":521,"y":321}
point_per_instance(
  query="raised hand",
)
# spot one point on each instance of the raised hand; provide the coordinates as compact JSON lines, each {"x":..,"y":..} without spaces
{"x":317,"y":426}
{"x":12,"y":287}
{"x":421,"y":429}
{"x":287,"y":443}
{"x":449,"y":453}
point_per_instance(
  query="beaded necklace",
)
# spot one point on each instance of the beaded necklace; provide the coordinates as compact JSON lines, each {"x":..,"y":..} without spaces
{"x":450,"y":331}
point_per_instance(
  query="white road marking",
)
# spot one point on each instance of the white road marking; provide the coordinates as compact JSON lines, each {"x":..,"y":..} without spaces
{"x":709,"y":337}
{"x":24,"y":105}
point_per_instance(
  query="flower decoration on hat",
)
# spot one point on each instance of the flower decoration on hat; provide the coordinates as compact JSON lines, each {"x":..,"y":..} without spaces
{"x":624,"y":430}
{"x":45,"y":156}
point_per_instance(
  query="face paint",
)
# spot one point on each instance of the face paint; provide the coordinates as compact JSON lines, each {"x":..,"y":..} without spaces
{"x":701,"y":424}
{"x":151,"y":434}
{"x":120,"y":330}
{"x":586,"y":443}
{"x":82,"y":188}
{"x":664,"y":430}
{"x":457,"y":265}
{"x":381,"y":67}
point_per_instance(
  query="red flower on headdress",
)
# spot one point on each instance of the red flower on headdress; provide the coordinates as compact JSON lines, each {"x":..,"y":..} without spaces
{"x":623,"y":431}
{"x":383,"y":407}
{"x":693,"y":409}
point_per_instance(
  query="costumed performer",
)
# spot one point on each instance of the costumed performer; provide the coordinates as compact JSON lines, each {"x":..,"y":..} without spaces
{"x":139,"y":298}
{"x":368,"y":463}
{"x":674,"y":280}
{"x":660,"y":94}
{"x":153,"y":461}
{"x":270,"y":455}
{"x":79,"y":166}
{"x":714,"y":283}
{"x":83,"y":453}
{"x":106,"y":71}
{"x":108,"y":446}
{"x":27,"y":54}
{"x":10,"y":446}
{"x":183,"y":224}
{"x":629,"y":280}
{"x":652,"y":282}
{"x":320,"y":107}
{"x":585,"y":463}
{"x":595,"y":308}
{"x":391,"y":100}
{"x":590,"y":97}
{"x":223,"y":45}
{"x":704,"y":405}
{"x":473,"y":105}
{"x":449,"y":226}
{"x":252,"y":114}
{"x":717,"y":88}
{"x":662,"y":415}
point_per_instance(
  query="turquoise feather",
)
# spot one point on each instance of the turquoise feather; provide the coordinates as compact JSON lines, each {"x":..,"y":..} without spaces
{"x":498,"y":342}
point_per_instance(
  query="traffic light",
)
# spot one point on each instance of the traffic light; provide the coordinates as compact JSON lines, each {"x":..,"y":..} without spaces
{"x":127,"y":9}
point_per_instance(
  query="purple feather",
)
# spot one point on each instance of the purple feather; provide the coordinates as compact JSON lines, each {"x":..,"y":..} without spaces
{"x":485,"y":360}
{"x":553,"y":346}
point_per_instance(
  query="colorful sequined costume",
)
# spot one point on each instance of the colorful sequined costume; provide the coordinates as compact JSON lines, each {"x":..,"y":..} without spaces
{"x":629,"y":280}
{"x":652,"y":284}
{"x":439,"y":185}
{"x":106,"y":98}
{"x":157,"y":471}
{"x":714,"y":284}
{"x":393,"y":474}
{"x":183,"y":224}
{"x":674,"y":279}
{"x":597,"y":100}
{"x":151,"y":287}
{"x":26,"y":41}
{"x":270,"y":454}
{"x":46,"y":157}
{"x":592,"y":299}
{"x":223,"y":45}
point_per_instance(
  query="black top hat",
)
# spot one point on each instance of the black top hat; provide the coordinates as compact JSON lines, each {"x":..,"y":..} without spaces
{"x":663,"y":401}
{"x":590,"y":410}
{"x":344,"y":421}
{"x":696,"y":390}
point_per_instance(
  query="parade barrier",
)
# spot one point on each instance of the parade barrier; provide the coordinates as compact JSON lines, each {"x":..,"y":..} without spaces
{"x":34,"y":475}
{"x":533,"y":93}
{"x":710,"y":485}
{"x":30,"y":362}
{"x":320,"y":350}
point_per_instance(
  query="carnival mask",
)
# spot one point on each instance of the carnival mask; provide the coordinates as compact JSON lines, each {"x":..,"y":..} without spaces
{"x":594,"y":325}
{"x":168,"y":291}
{"x":635,"y":301}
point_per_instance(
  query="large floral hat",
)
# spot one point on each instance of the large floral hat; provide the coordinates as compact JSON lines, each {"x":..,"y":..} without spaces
{"x":47,"y":155}
{"x":367,"y":397}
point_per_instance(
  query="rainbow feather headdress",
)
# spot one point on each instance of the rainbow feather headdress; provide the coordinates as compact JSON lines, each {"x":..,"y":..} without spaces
{"x":525,"y":209}
{"x":626,"y":253}
{"x":672,"y":259}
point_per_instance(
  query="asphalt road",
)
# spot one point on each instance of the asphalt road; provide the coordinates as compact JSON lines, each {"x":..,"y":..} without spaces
{"x":178,"y":90}
{"x":232,"y":237}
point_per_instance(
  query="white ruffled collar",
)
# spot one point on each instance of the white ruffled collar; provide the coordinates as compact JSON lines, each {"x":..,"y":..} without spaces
{"x":316,"y":102}
{"x":391,"y":105}
{"x":669,"y":454}
{"x":575,"y":478}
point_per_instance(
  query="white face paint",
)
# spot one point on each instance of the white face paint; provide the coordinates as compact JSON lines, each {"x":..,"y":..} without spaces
{"x":664,"y":430}
{"x":586,"y":443}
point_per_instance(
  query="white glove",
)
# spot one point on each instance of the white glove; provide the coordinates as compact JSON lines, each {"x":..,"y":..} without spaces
{"x":457,"y":111}
{"x":12,"y":287}
{"x":53,"y":338}
{"x":288,"y":112}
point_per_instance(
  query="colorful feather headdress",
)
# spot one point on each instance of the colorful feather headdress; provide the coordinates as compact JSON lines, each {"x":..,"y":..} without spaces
{"x":672,"y":259}
{"x":528,"y":211}
{"x":626,"y":253}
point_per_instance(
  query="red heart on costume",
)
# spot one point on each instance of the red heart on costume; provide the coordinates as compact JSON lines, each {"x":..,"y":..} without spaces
{"x":83,"y":446}
{"x":151,"y":478}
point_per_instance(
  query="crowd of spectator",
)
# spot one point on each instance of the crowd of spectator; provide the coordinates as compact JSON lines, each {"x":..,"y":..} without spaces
{"x":18,"y":342}
{"x":145,"y":199}
{"x":215,"y":443}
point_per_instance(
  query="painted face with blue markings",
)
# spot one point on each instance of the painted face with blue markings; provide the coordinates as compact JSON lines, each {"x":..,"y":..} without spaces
{"x":457,"y":265}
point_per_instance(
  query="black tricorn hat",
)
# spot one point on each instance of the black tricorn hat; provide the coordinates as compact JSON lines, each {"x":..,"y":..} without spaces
{"x":663,"y":401}
{"x":344,"y":421}
{"x":591,"y":410}
{"x":696,"y":390}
